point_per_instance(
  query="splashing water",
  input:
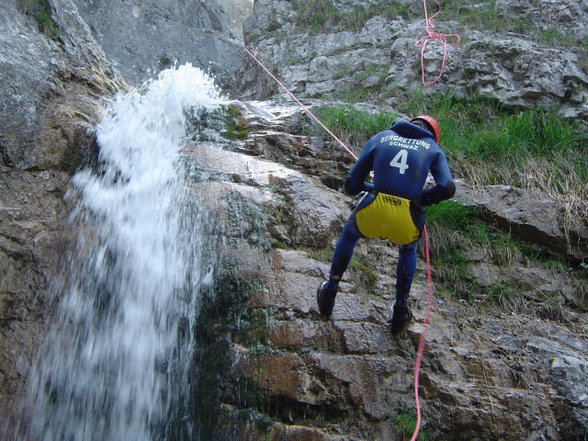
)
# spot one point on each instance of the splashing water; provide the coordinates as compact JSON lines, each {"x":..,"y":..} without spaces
{"x":122,"y":336}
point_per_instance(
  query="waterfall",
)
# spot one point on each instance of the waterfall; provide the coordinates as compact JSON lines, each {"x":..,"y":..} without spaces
{"x":118,"y":354}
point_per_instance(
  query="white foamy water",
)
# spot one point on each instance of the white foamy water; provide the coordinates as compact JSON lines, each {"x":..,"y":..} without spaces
{"x":129,"y":293}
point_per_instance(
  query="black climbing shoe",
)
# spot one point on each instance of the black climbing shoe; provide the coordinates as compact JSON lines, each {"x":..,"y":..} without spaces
{"x":400,"y":319}
{"x":325,"y":298}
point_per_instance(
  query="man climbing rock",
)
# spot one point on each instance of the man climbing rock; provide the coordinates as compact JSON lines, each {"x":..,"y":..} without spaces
{"x":392,"y":206}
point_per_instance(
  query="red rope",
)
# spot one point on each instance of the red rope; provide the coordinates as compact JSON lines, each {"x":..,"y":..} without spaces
{"x":306,"y":109}
{"x":422,"y":43}
{"x":423,"y":338}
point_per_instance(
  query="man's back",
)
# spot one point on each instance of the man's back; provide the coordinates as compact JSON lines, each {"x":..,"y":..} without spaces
{"x":401,"y":158}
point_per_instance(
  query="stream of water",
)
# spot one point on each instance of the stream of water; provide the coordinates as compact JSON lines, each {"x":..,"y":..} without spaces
{"x":117,"y":357}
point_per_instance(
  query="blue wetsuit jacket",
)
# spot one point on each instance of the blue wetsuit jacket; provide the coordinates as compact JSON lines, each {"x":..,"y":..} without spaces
{"x":401,"y":158}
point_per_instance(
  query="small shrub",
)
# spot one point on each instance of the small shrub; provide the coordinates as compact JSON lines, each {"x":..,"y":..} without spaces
{"x":324,"y":16}
{"x":354,"y":126}
{"x":235,"y":129}
{"x":317,"y":15}
{"x":41,"y":11}
{"x":451,"y":214}
{"x":473,"y":14}
{"x":406,"y":423}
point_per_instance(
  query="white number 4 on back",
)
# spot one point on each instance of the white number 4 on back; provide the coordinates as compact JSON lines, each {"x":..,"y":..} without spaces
{"x":399,"y":161}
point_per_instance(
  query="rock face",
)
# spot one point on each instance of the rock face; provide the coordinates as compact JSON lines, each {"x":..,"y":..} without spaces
{"x":487,"y":373}
{"x":238,"y":12}
{"x":532,"y":67}
{"x":531,"y":215}
{"x":51,"y":93}
{"x":144,"y":37}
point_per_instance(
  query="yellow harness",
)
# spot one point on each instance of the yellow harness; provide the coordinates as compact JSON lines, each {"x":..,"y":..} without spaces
{"x":387,"y":217}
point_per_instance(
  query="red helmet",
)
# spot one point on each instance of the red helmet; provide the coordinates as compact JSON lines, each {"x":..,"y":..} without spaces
{"x":431,"y":122}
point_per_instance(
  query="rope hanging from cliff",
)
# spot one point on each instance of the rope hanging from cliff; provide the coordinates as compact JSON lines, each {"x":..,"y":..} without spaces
{"x":306,"y":109}
{"x":431,"y":36}
{"x":423,"y":339}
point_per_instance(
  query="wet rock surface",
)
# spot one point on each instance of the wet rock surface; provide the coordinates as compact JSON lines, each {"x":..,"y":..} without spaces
{"x":52,"y":90}
{"x":488,"y":373}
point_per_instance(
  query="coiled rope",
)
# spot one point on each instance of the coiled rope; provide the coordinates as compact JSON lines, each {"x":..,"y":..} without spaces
{"x":423,"y":338}
{"x":431,"y":36}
